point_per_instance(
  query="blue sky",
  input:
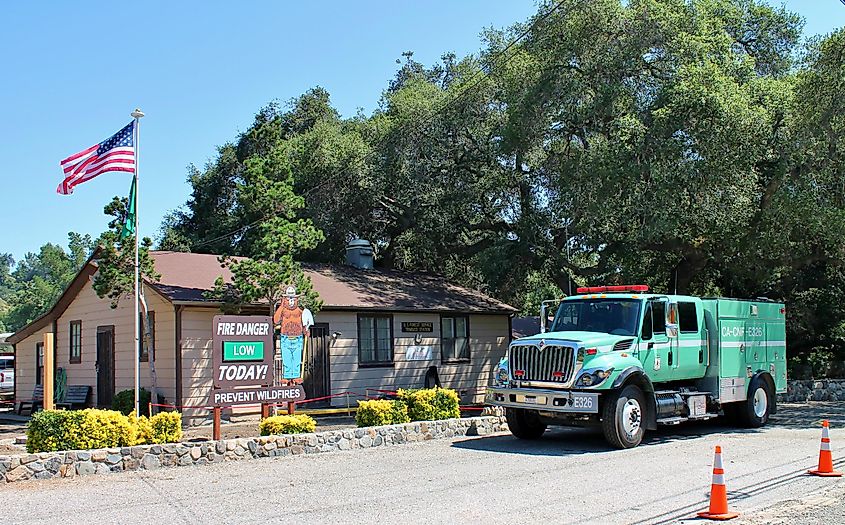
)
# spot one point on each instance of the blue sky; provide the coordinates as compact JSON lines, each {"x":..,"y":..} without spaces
{"x":200,"y":70}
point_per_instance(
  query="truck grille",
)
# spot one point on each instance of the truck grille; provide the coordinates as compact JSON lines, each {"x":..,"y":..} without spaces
{"x":551,"y":364}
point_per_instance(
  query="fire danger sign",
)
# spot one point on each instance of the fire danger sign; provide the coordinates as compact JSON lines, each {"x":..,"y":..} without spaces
{"x":242,"y":351}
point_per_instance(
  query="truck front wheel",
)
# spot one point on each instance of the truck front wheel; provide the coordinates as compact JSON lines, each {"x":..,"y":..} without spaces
{"x":524,"y":424}
{"x":623,"y":417}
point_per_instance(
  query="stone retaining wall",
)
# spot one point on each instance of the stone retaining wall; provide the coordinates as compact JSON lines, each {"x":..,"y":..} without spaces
{"x":150,"y":457}
{"x":800,"y":391}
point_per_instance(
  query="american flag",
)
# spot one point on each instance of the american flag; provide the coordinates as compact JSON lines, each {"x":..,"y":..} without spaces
{"x":116,"y":153}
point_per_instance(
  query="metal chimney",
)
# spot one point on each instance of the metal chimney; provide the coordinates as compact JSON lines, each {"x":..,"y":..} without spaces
{"x":359,"y":254}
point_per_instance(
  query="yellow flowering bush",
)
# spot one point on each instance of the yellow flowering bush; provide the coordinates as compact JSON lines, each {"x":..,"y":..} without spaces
{"x":166,"y":427}
{"x":378,"y":412}
{"x":430,"y":404}
{"x":287,"y":424}
{"x":51,"y":430}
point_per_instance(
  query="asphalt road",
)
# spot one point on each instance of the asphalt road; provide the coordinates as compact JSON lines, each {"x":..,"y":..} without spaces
{"x":570,"y":476}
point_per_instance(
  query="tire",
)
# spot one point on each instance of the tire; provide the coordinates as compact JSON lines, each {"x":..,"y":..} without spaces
{"x":623,"y":417}
{"x":754,"y":411}
{"x":524,"y":424}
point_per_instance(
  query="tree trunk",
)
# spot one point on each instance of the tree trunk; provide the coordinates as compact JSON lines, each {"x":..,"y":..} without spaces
{"x":150,"y":343}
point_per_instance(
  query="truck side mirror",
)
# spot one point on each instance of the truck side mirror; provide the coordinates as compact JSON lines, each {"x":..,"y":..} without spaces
{"x":543,"y":317}
{"x":671,"y":320}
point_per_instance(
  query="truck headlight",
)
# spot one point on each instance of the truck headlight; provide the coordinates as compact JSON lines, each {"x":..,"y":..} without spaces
{"x":593,"y":377}
{"x":501,"y":375}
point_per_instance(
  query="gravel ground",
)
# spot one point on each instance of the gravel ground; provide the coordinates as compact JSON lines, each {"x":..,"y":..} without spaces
{"x":570,"y":476}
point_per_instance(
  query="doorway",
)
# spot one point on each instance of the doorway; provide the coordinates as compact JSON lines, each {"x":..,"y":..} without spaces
{"x":315,"y":378}
{"x":105,"y":365}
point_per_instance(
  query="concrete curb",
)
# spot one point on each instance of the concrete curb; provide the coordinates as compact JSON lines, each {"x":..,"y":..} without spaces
{"x":67,"y":464}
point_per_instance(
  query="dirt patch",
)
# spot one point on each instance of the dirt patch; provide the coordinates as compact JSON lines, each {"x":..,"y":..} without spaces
{"x":9,"y":450}
{"x":248,"y":427}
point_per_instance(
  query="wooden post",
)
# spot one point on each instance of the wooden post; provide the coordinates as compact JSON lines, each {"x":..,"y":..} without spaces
{"x":265,"y":410}
{"x":215,"y":427}
{"x":49,"y":365}
{"x":291,"y":407}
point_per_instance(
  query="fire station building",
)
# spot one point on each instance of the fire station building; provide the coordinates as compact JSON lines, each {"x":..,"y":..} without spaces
{"x":377,"y":329}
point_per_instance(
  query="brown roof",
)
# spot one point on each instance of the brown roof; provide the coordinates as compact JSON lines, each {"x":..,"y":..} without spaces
{"x":186,"y":276}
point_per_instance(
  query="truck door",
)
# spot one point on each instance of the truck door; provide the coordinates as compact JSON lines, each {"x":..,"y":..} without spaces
{"x":732,"y":348}
{"x":654,"y":349}
{"x":689,"y":356}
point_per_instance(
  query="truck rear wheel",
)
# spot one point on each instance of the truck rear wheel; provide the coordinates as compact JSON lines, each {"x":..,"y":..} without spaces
{"x":754,"y":412}
{"x":623,"y":417}
{"x":524,"y":424}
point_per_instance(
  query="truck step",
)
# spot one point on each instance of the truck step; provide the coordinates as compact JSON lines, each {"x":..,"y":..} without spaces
{"x":671,"y":420}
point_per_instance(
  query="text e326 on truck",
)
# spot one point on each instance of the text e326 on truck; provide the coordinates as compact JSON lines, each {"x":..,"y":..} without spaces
{"x":628,"y":360}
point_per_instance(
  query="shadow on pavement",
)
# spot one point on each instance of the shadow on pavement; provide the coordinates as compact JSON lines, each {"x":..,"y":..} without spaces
{"x":560,"y":441}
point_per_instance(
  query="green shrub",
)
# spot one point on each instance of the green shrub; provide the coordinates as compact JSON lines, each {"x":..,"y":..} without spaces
{"x":294,"y":424}
{"x":379,"y":412}
{"x":124,"y":402}
{"x":51,"y":430}
{"x":165,"y":427}
{"x":430,"y":404}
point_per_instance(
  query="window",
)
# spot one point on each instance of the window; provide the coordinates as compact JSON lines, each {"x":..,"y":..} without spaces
{"x":145,"y":345}
{"x":658,"y":315}
{"x":454,"y":338}
{"x":648,"y":331}
{"x":609,"y":316}
{"x":375,"y":340}
{"x":688,"y":318}
{"x":39,"y":362}
{"x":75,"y":342}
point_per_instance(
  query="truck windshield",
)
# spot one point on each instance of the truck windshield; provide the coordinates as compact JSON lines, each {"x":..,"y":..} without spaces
{"x":609,"y":316}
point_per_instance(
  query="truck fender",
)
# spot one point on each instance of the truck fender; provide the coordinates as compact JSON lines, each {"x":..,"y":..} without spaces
{"x":767,"y":378}
{"x":634,"y":375}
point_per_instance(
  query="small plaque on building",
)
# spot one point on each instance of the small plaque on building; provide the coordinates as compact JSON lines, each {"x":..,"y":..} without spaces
{"x":414,"y":327}
{"x":419,"y":353}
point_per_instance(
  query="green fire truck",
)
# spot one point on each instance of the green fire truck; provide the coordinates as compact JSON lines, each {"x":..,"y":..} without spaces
{"x":628,"y":360}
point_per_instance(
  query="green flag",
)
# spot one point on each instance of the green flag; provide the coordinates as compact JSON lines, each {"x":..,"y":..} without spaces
{"x":129,"y":224}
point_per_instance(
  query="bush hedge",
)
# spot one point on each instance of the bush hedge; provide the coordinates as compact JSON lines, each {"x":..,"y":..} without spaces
{"x":430,"y":404}
{"x":286,"y":424}
{"x":51,"y":430}
{"x":381,"y":412}
{"x":124,"y":402}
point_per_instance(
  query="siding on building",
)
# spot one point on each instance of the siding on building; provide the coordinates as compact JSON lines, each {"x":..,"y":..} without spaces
{"x":489,"y":339}
{"x":488,"y":336}
{"x":94,"y":312}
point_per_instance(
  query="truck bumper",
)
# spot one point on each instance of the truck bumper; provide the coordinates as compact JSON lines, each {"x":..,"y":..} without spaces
{"x":566,"y":401}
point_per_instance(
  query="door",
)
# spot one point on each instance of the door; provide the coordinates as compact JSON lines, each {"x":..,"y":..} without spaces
{"x":656,"y":351}
{"x":316,"y":364}
{"x":690,"y":359}
{"x":105,"y":365}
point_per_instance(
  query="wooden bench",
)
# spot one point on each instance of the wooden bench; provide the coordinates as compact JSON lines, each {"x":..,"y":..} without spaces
{"x":76,"y":396}
{"x":37,"y":399}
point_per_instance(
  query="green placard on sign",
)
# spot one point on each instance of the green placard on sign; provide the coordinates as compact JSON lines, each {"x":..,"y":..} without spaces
{"x":243,"y":351}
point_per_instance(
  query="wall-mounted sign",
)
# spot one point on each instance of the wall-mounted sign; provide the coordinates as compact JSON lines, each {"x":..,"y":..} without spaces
{"x":419,"y":353}
{"x":417,"y":326}
{"x":242,"y":352}
{"x":256,"y":395}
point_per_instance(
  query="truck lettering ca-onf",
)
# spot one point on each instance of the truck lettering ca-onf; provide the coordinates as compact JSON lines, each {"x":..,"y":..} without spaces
{"x":628,"y":360}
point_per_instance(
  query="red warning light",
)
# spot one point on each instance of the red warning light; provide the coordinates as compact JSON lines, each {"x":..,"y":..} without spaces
{"x":614,"y":289}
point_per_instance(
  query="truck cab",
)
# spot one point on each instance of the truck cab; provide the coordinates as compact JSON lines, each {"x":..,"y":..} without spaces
{"x":628,"y":360}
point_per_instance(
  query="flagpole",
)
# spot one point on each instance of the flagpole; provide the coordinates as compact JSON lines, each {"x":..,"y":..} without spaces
{"x":137,"y":114}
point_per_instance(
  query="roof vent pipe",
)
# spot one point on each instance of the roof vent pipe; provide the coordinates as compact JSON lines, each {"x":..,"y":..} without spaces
{"x":359,"y":254}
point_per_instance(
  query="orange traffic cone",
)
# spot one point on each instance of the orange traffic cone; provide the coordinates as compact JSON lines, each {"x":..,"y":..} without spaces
{"x":825,"y":458}
{"x":718,"y":493}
